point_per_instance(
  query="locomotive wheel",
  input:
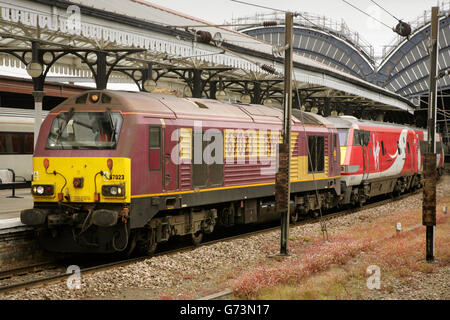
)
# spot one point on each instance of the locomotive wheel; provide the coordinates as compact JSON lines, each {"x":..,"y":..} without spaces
{"x":131,"y":244}
{"x":197,"y":238}
{"x":149,"y":244}
{"x":148,"y":249}
{"x":294,"y":216}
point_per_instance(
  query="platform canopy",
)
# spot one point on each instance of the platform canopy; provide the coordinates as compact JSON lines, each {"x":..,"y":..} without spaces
{"x":137,"y":41}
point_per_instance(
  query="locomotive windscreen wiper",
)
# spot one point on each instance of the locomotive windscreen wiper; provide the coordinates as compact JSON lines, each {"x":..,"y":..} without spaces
{"x":68,"y":116}
{"x":113,"y":133}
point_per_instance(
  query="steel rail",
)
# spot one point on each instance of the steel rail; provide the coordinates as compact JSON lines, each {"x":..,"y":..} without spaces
{"x":60,"y":277}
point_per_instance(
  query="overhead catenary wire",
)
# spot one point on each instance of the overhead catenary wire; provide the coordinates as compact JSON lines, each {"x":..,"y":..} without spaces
{"x":276,"y":9}
{"x":259,"y":6}
{"x":323,"y":225}
{"x":445,"y":114}
{"x":385,"y":10}
{"x":353,"y":6}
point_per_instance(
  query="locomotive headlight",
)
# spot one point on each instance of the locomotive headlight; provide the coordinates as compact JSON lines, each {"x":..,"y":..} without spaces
{"x":43,"y":190}
{"x":113,"y":191}
{"x":40,"y":190}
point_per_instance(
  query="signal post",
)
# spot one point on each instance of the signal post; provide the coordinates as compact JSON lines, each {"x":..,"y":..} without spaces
{"x":429,"y":170}
{"x":282,"y":183}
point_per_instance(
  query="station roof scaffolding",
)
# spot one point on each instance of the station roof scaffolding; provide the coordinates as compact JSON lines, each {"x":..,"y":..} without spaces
{"x":141,"y":41}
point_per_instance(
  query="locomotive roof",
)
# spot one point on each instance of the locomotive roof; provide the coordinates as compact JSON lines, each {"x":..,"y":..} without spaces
{"x":168,"y":106}
{"x":349,"y":121}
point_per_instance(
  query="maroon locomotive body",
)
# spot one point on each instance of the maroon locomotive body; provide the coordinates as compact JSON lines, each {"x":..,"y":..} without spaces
{"x":182,"y":166}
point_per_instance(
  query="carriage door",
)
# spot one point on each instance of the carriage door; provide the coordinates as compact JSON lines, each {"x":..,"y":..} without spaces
{"x":363,"y":137}
{"x":335,"y":161}
{"x":410,"y":151}
{"x":170,"y":167}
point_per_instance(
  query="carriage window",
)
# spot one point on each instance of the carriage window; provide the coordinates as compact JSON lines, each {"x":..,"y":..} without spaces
{"x":361,"y":137}
{"x":316,"y":148}
{"x":16,"y":143}
{"x":383,"y":151}
{"x":438,"y":147}
{"x":423,"y":146}
{"x":409,"y":150}
{"x":356,"y":138}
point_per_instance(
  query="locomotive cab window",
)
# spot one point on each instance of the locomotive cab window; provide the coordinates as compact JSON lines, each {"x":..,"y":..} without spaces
{"x":85,"y":130}
{"x":361,"y":137}
{"x":316,"y":148}
{"x":343,"y":136}
{"x":155,"y":137}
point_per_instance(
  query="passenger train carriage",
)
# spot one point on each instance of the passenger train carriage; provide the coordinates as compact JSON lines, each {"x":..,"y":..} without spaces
{"x":16,"y":143}
{"x":380,"y":158}
{"x":117,"y":170}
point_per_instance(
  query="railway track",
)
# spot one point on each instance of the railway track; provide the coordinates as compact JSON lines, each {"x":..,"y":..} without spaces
{"x":20,"y":271}
{"x":62,"y":276}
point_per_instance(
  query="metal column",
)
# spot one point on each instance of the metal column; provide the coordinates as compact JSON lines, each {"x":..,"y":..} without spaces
{"x":429,"y":172}
{"x":282,"y":183}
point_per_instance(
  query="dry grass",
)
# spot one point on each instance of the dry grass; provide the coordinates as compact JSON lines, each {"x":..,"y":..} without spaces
{"x":337,"y":269}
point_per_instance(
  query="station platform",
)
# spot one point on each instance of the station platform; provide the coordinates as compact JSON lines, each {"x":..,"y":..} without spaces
{"x":10,"y":207}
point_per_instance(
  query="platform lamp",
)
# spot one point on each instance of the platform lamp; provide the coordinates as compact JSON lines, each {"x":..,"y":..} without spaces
{"x":221,"y":95}
{"x":35,"y":70}
{"x":268,"y":102}
{"x":245,"y":98}
{"x":149,"y":85}
{"x":187,"y":92}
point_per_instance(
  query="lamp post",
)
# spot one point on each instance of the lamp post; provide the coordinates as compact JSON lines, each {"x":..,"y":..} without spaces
{"x":35,"y":70}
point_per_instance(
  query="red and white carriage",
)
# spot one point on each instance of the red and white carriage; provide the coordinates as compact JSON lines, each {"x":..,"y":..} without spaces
{"x":380,"y":158}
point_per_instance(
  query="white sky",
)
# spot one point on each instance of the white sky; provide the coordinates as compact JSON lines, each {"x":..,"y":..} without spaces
{"x":218,"y":11}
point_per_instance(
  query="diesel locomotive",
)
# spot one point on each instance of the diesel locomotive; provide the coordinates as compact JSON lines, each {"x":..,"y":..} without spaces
{"x":122,"y":171}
